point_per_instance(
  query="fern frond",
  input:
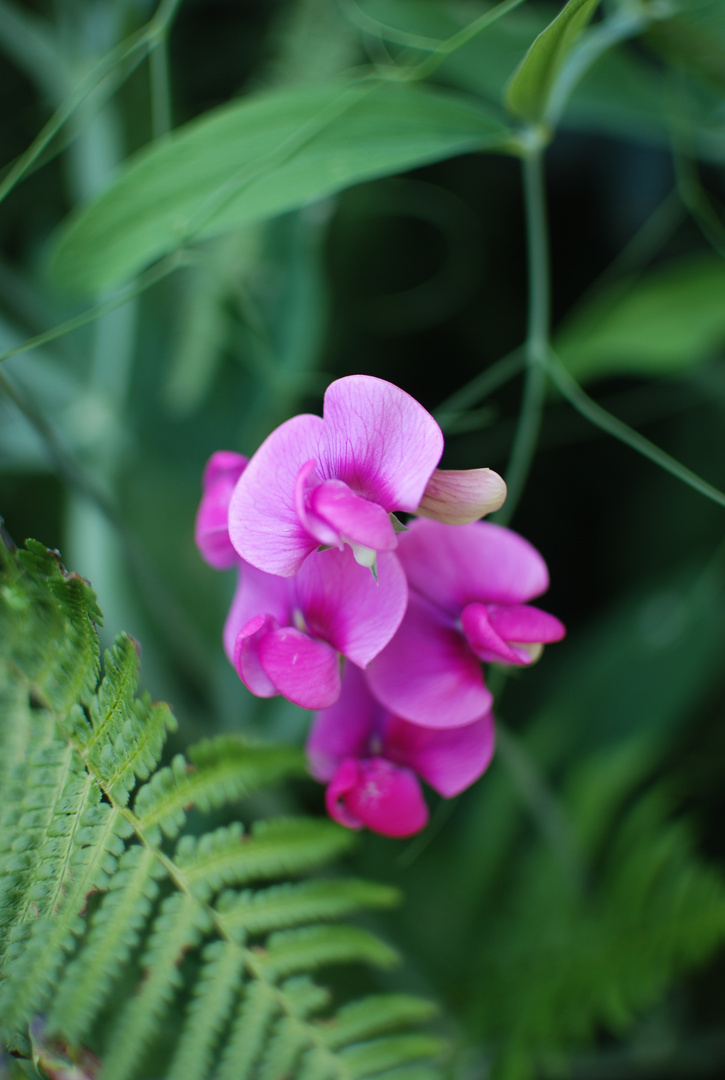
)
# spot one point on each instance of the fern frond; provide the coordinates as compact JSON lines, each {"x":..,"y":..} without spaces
{"x":283,"y":906}
{"x":133,"y":947}
{"x":373,"y":1016}
{"x":214,"y":998}
{"x":273,"y":849}
{"x":218,"y":771}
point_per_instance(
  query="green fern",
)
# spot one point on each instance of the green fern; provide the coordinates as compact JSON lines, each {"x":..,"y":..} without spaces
{"x":135,"y":937}
{"x":586,"y":942}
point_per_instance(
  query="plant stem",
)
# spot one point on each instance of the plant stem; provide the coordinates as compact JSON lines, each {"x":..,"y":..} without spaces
{"x":588,"y":408}
{"x":537,"y":338}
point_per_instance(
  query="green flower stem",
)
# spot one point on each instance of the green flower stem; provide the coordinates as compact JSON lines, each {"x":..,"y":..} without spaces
{"x":537,"y":338}
{"x":589,"y":409}
{"x":160,"y":88}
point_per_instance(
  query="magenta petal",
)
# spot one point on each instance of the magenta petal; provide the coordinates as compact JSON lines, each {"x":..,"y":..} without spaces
{"x":257,"y":594}
{"x":380,"y":441}
{"x":306,"y":483}
{"x":222,"y":471}
{"x":455,"y":564}
{"x":342,"y":604}
{"x":449,"y":760}
{"x":485,"y":642}
{"x":263,"y":522}
{"x":343,"y":782}
{"x":305,"y":671}
{"x":427,"y":673}
{"x":344,"y":730}
{"x":384,"y":797}
{"x":524,"y":623}
{"x":353,"y":517}
{"x":246,"y":656}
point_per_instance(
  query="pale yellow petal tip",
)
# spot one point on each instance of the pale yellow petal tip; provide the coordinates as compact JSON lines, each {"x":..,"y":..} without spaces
{"x":459,"y":496}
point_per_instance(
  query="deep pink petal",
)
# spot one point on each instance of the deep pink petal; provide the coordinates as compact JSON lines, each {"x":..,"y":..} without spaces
{"x":384,"y":797}
{"x":524,"y":623}
{"x":342,"y":604}
{"x":211,"y":531}
{"x":352,"y":517}
{"x":449,"y":760}
{"x":263,"y":522}
{"x":454,"y":565}
{"x":305,"y":671}
{"x":485,"y":642}
{"x":428,"y":673}
{"x":345,"y":729}
{"x":257,"y":594}
{"x":380,"y":441}
{"x":246,"y":657}
{"x":343,"y":782}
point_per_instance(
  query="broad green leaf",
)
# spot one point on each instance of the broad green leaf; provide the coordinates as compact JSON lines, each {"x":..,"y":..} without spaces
{"x":528,"y":92}
{"x":258,"y":158}
{"x":668,"y":320}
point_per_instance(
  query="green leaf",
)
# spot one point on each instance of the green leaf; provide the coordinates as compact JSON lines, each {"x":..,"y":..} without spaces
{"x":530,"y":88}
{"x":258,"y":158}
{"x":667,"y":321}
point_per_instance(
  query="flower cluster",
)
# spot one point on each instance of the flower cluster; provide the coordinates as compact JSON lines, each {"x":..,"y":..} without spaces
{"x":379,"y":627}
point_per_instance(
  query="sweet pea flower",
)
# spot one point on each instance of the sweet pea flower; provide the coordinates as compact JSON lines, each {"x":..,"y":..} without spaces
{"x":371,"y":760}
{"x":211,"y":532}
{"x":334,"y":480}
{"x":286,"y":635}
{"x":469,"y":586}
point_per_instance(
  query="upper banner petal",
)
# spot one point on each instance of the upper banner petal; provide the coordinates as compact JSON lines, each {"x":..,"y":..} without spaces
{"x":380,"y":441}
{"x":264,"y":525}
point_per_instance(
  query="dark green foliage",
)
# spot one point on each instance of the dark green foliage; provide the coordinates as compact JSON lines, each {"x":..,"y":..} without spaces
{"x":96,"y":911}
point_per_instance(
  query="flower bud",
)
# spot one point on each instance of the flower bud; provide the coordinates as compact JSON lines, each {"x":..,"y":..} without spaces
{"x":459,"y":496}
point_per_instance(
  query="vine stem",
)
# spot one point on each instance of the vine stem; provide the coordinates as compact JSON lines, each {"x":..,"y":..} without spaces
{"x":537,"y":338}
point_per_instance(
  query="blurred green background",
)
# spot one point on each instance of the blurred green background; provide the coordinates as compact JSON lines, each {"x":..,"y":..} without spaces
{"x":568,"y":911}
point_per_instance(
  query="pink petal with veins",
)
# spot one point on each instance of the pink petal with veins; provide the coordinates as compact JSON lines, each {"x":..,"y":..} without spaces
{"x":211,"y":531}
{"x":485,"y":642}
{"x":304,"y":670}
{"x":449,"y":760}
{"x":343,"y":605}
{"x":264,"y":525}
{"x":380,"y":441}
{"x":373,"y":792}
{"x":454,"y":565}
{"x":427,"y":673}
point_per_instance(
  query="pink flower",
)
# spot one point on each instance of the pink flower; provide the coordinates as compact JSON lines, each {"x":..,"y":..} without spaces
{"x":285,"y":635}
{"x":222,"y":471}
{"x":372,"y":760}
{"x":335,"y":480}
{"x":468,"y":590}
